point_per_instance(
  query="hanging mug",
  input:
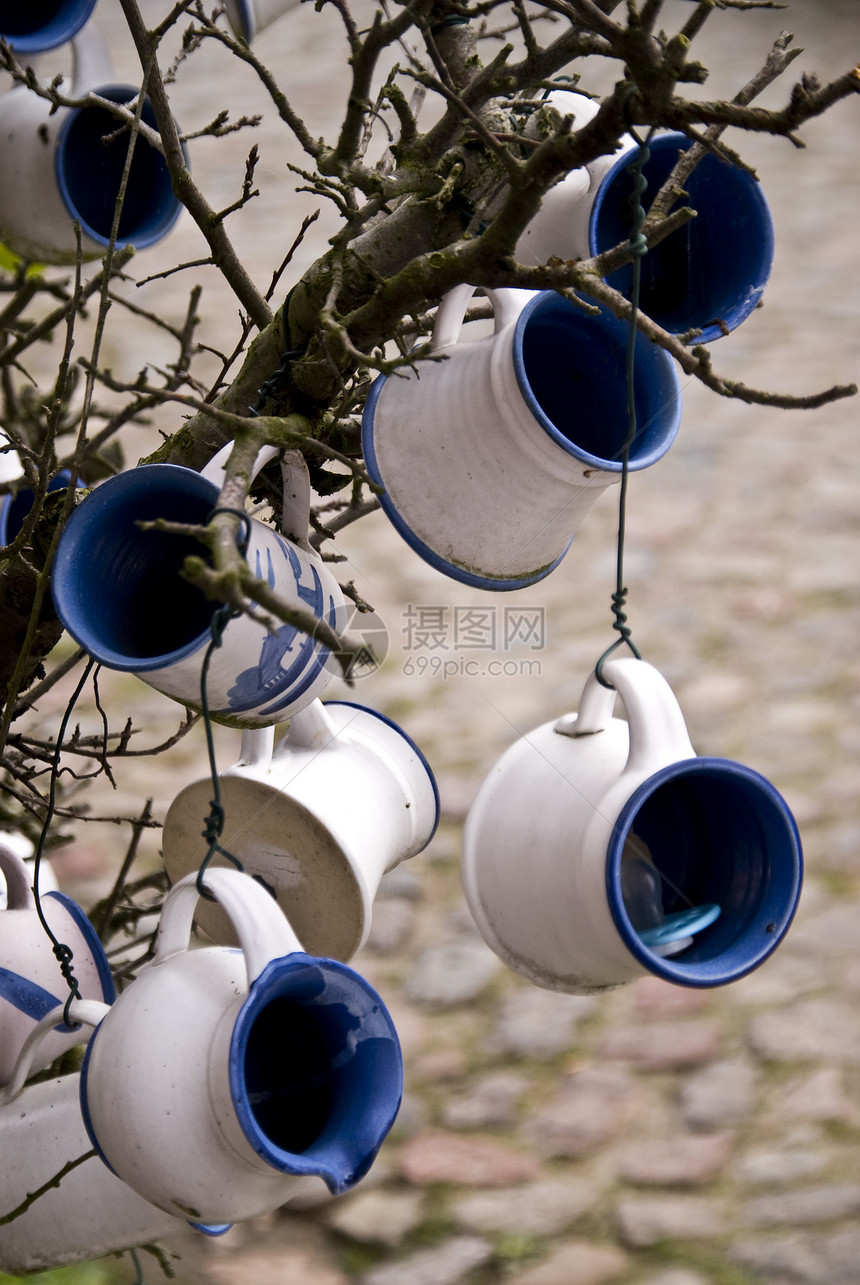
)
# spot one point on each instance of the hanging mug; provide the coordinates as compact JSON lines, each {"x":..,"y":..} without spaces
{"x":119,"y":593}
{"x":222,"y":1082}
{"x":599,"y":850}
{"x":709,"y":275}
{"x":317,"y":819}
{"x":31,"y":983}
{"x":57,"y":170}
{"x":249,"y":17}
{"x":91,"y":1212}
{"x":491,"y":458}
{"x":33,"y":28}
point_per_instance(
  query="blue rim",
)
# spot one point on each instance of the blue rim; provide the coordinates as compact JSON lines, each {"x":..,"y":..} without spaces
{"x":417,"y":751}
{"x":71,"y":583}
{"x":745,"y":856}
{"x":246,"y":19}
{"x":57,"y":31}
{"x":731,"y":241}
{"x":150,"y":206}
{"x":657,"y":387}
{"x":85,"y":1105}
{"x":91,"y":938}
{"x":450,"y":569}
{"x":364,"y":1062}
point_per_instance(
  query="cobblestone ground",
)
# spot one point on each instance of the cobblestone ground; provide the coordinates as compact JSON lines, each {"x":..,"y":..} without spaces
{"x":655,"y":1135}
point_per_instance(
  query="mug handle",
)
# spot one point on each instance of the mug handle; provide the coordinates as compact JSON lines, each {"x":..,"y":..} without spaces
{"x":507,"y":304}
{"x":658,"y":733}
{"x":295,"y":518}
{"x":85,"y":1012}
{"x":91,"y":61}
{"x":19,"y":893}
{"x":310,"y":729}
{"x":262,"y":929}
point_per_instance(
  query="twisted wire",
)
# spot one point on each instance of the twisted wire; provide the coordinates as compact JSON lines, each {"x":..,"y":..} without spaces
{"x":638,"y":245}
{"x":63,"y":953}
{"x":213,"y":823}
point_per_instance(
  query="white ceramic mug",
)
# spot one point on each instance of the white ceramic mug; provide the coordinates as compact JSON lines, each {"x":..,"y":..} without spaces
{"x":33,"y":28}
{"x":587,"y":819}
{"x":222,"y":1081}
{"x":118,"y":592}
{"x":90,"y":1212}
{"x":31,"y":983}
{"x":249,"y":17}
{"x":56,"y":169}
{"x":491,"y":458}
{"x":318,"y":820}
{"x":709,"y":275}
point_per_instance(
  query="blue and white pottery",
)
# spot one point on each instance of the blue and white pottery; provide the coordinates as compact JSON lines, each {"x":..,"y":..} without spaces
{"x":224,"y":1082}
{"x":119,"y":593}
{"x":491,"y":457}
{"x":32,"y":27}
{"x":599,"y":850}
{"x":707,"y":276}
{"x":317,"y":819}
{"x":57,"y":170}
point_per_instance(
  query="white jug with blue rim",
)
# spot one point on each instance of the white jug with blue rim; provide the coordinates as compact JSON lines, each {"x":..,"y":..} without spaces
{"x":708,"y":276}
{"x":119,"y":592}
{"x":492,"y":451}
{"x":224,"y":1082}
{"x":600,"y":850}
{"x":58,"y":170}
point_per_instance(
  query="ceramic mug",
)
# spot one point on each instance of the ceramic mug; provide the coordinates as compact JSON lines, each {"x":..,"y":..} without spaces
{"x":491,"y":458}
{"x":91,"y":1212}
{"x":31,"y":983}
{"x":222,"y":1082}
{"x":32,"y":28}
{"x":318,"y":820}
{"x":118,"y":592}
{"x":588,"y":819}
{"x":249,"y":17}
{"x":709,"y":275}
{"x":57,"y":170}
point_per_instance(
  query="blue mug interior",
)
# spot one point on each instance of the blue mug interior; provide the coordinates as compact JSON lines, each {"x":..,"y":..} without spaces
{"x":32,"y":26}
{"x":14,"y":508}
{"x":571,"y":367}
{"x":718,"y":834}
{"x":117,"y":589}
{"x":315,"y":1069}
{"x":711,"y":271}
{"x":89,"y":174}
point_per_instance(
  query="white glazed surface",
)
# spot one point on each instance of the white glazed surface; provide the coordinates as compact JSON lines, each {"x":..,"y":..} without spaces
{"x":90,"y":1213}
{"x":535,"y":841}
{"x":157,"y":1079}
{"x":34,"y":220}
{"x":343,"y":798}
{"x":26,"y":951}
{"x":476,"y":477}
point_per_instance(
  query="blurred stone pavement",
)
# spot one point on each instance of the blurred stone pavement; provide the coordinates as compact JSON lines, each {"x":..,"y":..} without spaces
{"x":655,"y":1135}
